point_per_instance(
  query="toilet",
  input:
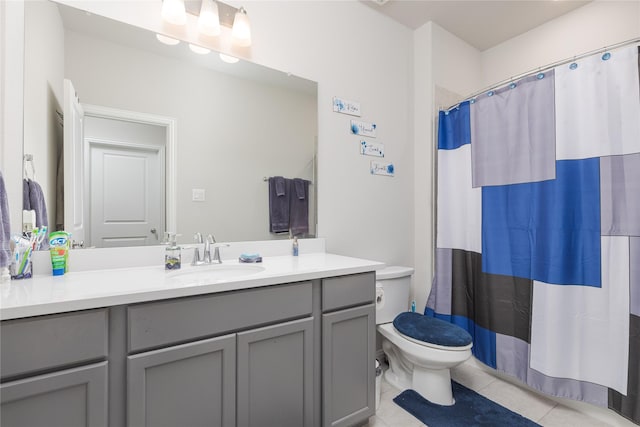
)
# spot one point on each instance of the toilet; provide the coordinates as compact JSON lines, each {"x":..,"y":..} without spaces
{"x":421,"y":350}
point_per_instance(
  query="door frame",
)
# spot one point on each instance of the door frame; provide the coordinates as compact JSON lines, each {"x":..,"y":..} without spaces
{"x":170,"y":150}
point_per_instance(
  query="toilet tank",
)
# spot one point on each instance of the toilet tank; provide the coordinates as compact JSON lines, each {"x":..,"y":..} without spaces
{"x":393,"y":287}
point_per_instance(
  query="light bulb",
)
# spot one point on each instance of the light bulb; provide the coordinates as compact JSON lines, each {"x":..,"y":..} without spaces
{"x":173,"y":12}
{"x":228,"y":59}
{"x":198,"y":49}
{"x":209,"y":20}
{"x":167,"y":40}
{"x":241,"y":31}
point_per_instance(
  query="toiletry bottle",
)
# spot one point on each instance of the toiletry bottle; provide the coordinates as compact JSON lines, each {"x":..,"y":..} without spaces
{"x":295,"y":246}
{"x":173,"y":256}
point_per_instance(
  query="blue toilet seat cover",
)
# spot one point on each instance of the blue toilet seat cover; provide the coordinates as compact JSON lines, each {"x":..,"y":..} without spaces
{"x":431,"y":330}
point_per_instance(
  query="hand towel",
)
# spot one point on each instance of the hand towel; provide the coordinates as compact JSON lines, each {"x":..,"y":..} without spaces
{"x":299,"y":208}
{"x":38,"y":204}
{"x":281,"y":185}
{"x":5,"y":226}
{"x":300,"y":188}
{"x":26,"y":203}
{"x":278,"y":205}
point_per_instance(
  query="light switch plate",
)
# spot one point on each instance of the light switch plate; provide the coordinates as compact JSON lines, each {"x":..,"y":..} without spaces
{"x":197,"y":195}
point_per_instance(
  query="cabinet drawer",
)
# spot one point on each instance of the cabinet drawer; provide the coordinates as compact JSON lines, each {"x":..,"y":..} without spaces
{"x":45,"y":342}
{"x":348,"y":291}
{"x":154,"y":325}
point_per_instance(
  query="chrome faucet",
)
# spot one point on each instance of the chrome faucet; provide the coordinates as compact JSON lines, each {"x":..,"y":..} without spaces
{"x":209,"y":242}
{"x":216,"y":247}
{"x":206,"y":255}
{"x":197,"y":237}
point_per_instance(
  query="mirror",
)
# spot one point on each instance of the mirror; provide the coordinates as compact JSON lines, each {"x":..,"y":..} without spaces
{"x":233,"y":125}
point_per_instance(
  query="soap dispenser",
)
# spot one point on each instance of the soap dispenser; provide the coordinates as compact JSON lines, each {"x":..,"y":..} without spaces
{"x":173,"y":256}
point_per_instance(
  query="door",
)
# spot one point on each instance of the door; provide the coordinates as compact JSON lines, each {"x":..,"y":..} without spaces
{"x":126,"y":194}
{"x":348,"y":371}
{"x":71,"y":398}
{"x":275,"y":375}
{"x":185,"y":385}
{"x":73,"y":157}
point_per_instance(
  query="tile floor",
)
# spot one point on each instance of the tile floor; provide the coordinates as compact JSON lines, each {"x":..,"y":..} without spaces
{"x":535,"y":406}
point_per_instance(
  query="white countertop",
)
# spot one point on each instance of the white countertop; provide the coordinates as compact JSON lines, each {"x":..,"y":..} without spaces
{"x":44,"y":294}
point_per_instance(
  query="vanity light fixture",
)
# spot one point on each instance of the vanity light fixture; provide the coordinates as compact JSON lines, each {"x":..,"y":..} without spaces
{"x":228,"y":59}
{"x":198,"y":49}
{"x":211,"y":15}
{"x":241,"y":31}
{"x":209,"y":20}
{"x":174,"y":12}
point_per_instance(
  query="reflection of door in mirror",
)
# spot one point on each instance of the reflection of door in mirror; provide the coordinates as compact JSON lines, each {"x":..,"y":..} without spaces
{"x":125,"y":182}
{"x":114,"y":181}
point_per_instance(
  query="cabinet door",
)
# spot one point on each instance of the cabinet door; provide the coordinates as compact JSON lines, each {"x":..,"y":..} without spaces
{"x":348,"y":371}
{"x":69,"y":398}
{"x":185,"y":385}
{"x":275,"y":375}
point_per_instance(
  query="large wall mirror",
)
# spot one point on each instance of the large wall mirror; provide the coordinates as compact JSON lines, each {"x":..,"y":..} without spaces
{"x":155,"y":117}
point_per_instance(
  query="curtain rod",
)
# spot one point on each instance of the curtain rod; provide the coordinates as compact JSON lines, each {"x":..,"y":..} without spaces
{"x":544,"y":68}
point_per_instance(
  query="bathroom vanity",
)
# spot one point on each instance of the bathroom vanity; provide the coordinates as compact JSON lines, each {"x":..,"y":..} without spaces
{"x":289,"y":345}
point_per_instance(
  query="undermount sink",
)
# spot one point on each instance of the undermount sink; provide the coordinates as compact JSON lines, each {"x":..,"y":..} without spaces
{"x":215,"y":272}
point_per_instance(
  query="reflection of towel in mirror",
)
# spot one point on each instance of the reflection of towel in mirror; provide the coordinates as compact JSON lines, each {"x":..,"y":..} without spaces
{"x":278,"y":205}
{"x":300,"y":207}
{"x":26,"y":203}
{"x":5,"y":226}
{"x":38,"y":204}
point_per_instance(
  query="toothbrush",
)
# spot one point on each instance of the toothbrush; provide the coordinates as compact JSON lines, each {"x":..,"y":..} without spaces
{"x":25,"y":260}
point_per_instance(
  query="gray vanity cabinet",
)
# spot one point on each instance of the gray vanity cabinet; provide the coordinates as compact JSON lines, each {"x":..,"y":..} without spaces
{"x":54,"y":371}
{"x":248,"y":360}
{"x":348,"y":350}
{"x":69,"y":398}
{"x":185,"y":385}
{"x":275,"y":375}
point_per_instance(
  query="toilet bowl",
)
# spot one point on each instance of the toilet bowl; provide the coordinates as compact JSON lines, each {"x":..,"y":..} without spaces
{"x":420,"y":350}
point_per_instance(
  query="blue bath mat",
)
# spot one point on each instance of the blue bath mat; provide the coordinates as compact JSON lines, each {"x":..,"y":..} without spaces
{"x":470,"y":410}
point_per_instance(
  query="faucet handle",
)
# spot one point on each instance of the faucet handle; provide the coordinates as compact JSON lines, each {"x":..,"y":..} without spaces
{"x":211,"y":239}
{"x":197,"y":237}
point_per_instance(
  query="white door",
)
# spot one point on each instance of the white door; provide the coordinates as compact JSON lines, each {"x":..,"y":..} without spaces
{"x":73,"y":157}
{"x":126,"y":194}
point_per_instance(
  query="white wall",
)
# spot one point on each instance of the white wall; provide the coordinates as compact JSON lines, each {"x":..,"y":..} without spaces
{"x":593,"y":26}
{"x":230,"y":134}
{"x":43,"y":75}
{"x":441,"y":60}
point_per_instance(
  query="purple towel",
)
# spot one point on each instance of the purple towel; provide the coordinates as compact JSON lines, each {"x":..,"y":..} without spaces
{"x":26,"y":203}
{"x":278,"y":205}
{"x":38,"y":204}
{"x":299,"y":214}
{"x":5,"y":226}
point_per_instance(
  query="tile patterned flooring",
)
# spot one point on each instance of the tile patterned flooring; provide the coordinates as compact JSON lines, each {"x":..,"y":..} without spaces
{"x":518,"y":398}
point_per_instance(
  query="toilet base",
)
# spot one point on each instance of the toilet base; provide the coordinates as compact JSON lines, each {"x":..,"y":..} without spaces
{"x":434,"y":385}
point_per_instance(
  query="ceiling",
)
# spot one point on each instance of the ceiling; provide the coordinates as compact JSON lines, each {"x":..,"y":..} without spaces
{"x":482,"y":24}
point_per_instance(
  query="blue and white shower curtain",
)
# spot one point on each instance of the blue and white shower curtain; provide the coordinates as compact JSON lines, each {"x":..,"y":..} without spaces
{"x":538,"y":229}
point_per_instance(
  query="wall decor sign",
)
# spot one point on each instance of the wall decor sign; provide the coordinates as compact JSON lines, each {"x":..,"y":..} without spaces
{"x":363,"y":128}
{"x":380,"y":168}
{"x":368,"y":148}
{"x":344,"y":106}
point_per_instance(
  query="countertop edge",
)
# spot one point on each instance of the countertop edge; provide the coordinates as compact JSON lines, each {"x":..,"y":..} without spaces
{"x":134,"y":297}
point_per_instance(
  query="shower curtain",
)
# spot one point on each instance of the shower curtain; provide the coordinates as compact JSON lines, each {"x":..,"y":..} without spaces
{"x":538,"y":229}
